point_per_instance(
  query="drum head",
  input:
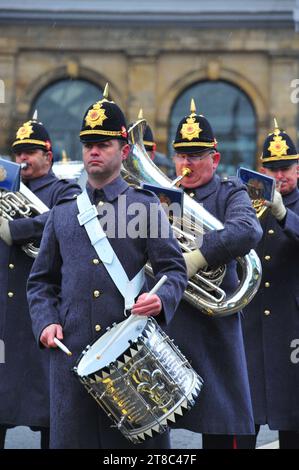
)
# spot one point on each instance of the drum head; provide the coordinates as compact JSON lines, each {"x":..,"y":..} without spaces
{"x":94,"y":360}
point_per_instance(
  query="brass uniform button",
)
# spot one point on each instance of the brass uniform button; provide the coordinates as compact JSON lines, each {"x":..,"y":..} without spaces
{"x":101,"y":203}
{"x":267,"y":257}
{"x":96,"y":261}
{"x":11,"y":266}
{"x":271,"y":232}
{"x":191,"y":194}
{"x":98,"y":327}
{"x":10,"y":294}
{"x":267,"y":312}
{"x":267,"y":284}
{"x":96,"y":294}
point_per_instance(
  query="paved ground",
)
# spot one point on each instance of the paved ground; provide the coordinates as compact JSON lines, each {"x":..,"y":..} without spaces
{"x":24,"y":438}
{"x":182,"y":439}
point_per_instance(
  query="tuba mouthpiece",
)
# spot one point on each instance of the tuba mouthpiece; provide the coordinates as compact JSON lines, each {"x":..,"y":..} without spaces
{"x":186,"y":172}
{"x":176,"y":182}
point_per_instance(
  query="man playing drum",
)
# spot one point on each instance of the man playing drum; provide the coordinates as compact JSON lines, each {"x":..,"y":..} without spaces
{"x":71,"y":291}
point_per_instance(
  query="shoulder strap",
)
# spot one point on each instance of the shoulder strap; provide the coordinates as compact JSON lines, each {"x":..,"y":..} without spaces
{"x":88,"y":216}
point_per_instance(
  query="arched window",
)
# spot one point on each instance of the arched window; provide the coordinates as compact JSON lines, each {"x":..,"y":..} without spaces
{"x":61,"y":107}
{"x":232,"y":117}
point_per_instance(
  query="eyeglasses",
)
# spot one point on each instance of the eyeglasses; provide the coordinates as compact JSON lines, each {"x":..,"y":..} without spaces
{"x":192,"y":157}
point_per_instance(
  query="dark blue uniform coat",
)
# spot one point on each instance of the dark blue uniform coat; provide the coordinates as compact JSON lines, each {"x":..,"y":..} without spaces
{"x":24,"y":375}
{"x":271,"y":323}
{"x":62,"y":289}
{"x":215,"y":345}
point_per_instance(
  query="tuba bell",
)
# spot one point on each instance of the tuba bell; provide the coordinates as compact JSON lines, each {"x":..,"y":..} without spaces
{"x":22,"y":203}
{"x":204,"y":289}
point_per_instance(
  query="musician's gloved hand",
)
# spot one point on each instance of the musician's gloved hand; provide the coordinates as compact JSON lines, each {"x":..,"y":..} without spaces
{"x":194,"y":261}
{"x":48,"y":334}
{"x":147,"y":305}
{"x":5,"y":231}
{"x":277,"y":206}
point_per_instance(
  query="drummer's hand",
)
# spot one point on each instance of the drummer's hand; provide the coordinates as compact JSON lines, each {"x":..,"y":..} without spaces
{"x":147,"y":305}
{"x":49,"y":333}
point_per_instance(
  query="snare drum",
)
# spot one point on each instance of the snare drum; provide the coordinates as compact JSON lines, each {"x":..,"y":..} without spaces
{"x":143,"y":382}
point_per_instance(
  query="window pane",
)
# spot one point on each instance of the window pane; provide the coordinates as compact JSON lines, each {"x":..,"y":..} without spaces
{"x":232,"y":117}
{"x":61,"y":108}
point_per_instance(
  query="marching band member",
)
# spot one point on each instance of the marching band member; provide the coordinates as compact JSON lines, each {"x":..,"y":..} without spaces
{"x":24,"y":375}
{"x":148,"y":139}
{"x":271,"y":321}
{"x":214,"y":345}
{"x":70,"y":291}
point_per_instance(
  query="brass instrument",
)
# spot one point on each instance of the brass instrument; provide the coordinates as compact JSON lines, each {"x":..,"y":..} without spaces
{"x":22,"y":203}
{"x":259,"y":207}
{"x":68,"y":169}
{"x":256,"y":192}
{"x":203,"y":290}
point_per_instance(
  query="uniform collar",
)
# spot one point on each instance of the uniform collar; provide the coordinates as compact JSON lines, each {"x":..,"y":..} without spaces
{"x":291,"y":197}
{"x":110,"y":192}
{"x":38,"y":183}
{"x":204,"y":191}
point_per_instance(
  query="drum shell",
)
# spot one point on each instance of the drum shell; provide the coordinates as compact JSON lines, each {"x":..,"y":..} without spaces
{"x":147,"y":387}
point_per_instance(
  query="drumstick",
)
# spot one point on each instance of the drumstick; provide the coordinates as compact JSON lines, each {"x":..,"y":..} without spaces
{"x":131,"y":318}
{"x":62,"y":347}
{"x":157,"y":286}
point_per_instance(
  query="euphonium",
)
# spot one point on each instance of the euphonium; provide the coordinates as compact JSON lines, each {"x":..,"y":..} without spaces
{"x":203,"y":290}
{"x":22,"y":203}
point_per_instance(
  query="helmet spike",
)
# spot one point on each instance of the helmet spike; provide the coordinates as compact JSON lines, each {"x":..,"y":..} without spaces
{"x":192,"y":106}
{"x":106,"y":91}
{"x":65,"y":158}
{"x":34,"y":117}
{"x":140,"y":114}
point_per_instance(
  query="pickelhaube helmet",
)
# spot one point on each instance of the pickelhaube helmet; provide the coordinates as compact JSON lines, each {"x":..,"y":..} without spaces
{"x":194,"y":133}
{"x":32,"y":135}
{"x":279,"y":150}
{"x":148,"y":137}
{"x":103,"y":120}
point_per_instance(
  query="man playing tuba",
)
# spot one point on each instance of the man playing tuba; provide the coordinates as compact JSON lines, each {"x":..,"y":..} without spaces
{"x":214,"y":345}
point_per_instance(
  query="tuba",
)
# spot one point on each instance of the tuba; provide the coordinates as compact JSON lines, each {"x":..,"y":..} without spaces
{"x":204,"y":289}
{"x":22,"y":203}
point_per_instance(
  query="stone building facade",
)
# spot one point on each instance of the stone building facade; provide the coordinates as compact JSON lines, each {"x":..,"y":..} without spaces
{"x":149,"y":59}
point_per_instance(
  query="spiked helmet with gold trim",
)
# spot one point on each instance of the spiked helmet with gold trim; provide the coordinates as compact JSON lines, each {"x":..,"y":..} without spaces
{"x":148,"y":139}
{"x":279,"y":151}
{"x":32,"y":135}
{"x":148,"y":136}
{"x":194,"y":133}
{"x":103,"y":120}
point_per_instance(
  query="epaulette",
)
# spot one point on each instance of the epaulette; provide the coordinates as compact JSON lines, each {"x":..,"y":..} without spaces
{"x":71,"y":181}
{"x":67,"y":199}
{"x":146,"y":191}
{"x":229,"y":179}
